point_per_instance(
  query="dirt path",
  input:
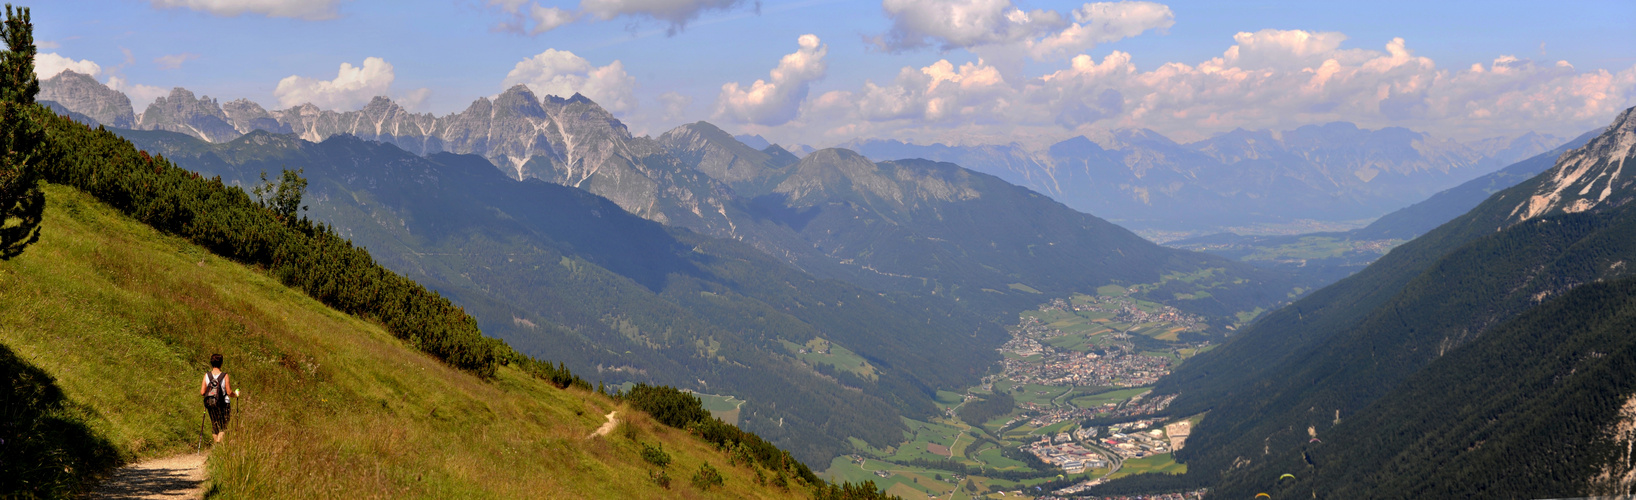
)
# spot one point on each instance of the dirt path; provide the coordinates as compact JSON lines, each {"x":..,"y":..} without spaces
{"x":178,"y":477}
{"x":606,"y":428}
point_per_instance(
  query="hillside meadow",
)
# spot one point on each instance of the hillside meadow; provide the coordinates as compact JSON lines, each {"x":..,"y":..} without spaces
{"x":117,"y":321}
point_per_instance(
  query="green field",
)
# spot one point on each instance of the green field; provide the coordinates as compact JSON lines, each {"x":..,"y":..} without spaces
{"x":725,"y":408}
{"x":1156,"y":464}
{"x":1096,"y":400}
{"x":820,"y":351}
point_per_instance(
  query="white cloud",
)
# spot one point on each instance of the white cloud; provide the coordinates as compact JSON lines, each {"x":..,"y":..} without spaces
{"x":549,"y":18}
{"x":1271,"y":79}
{"x":677,"y":13}
{"x":49,"y":64}
{"x":141,"y":95}
{"x":46,"y":45}
{"x":561,"y":73}
{"x":174,"y":61}
{"x":775,"y":101}
{"x":535,"y":20}
{"x":1102,"y":23}
{"x":1003,"y":30}
{"x":301,"y":9}
{"x":412,"y":100}
{"x":675,"y":106}
{"x":352,"y":87}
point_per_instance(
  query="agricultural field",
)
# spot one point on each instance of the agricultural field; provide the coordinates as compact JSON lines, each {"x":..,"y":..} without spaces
{"x":1156,"y":464}
{"x":725,"y":408}
{"x":819,"y":351}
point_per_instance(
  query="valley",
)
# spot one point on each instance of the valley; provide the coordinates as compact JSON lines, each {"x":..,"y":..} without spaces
{"x":1070,"y":398}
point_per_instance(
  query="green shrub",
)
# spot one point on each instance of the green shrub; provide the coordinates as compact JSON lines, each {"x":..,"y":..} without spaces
{"x":707,"y":477}
{"x":655,"y":455}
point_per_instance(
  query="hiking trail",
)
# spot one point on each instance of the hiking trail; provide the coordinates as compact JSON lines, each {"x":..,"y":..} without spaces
{"x":606,"y":428}
{"x":174,"y":477}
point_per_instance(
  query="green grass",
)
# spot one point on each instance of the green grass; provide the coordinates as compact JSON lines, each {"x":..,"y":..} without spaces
{"x":1156,"y":464}
{"x":1023,"y":288}
{"x":820,"y":351}
{"x":725,"y":408}
{"x":1100,"y":399}
{"x":122,"y":319}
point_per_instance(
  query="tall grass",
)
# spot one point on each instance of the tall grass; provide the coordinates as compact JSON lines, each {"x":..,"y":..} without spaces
{"x":123,"y":317}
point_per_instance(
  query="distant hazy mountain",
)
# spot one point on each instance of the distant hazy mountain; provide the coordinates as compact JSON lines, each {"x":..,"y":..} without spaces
{"x":1144,"y":180}
{"x":749,"y":170}
{"x":757,"y":142}
{"x":1403,"y":224}
{"x":1364,"y":364}
{"x":82,"y":94}
{"x":937,"y":228}
{"x":915,"y":227}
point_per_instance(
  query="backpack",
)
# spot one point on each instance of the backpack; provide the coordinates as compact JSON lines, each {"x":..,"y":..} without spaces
{"x":213,"y":395}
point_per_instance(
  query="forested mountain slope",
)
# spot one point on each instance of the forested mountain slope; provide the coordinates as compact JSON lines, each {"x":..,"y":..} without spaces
{"x":1541,"y":406}
{"x":564,"y":274}
{"x":937,"y":228}
{"x":1304,"y":369}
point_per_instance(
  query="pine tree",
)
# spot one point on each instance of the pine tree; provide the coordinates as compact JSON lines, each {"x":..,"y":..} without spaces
{"x":22,"y":139}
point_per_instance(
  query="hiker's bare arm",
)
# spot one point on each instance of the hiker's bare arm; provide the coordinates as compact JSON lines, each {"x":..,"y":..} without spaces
{"x":202,"y":386}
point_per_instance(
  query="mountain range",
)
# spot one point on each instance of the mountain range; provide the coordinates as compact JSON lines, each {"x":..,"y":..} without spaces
{"x":1472,"y":360}
{"x":1145,"y":181}
{"x":893,"y":226}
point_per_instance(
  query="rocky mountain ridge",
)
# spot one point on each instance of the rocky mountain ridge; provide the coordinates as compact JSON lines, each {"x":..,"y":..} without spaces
{"x":1588,"y":178}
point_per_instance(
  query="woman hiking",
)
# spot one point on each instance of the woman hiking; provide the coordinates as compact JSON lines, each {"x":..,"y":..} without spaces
{"x":217,"y":389}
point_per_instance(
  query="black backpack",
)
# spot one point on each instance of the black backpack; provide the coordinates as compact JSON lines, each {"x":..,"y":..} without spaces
{"x":213,"y":395}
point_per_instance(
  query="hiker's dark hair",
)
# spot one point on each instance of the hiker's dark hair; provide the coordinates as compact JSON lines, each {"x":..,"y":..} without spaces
{"x":215,"y":360}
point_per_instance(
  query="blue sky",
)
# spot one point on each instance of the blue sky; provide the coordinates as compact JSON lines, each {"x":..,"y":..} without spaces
{"x":871,"y":68}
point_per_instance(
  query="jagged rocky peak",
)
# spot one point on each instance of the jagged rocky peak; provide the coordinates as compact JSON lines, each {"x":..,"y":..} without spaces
{"x":180,"y":112}
{"x":582,"y":115}
{"x":247,"y":116}
{"x":1590,"y":178}
{"x":80,"y":93}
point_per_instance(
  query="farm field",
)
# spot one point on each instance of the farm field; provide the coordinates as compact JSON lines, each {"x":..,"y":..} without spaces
{"x":823,"y":352}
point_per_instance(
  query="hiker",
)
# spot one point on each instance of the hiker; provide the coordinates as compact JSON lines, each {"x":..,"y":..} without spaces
{"x":217,"y":389}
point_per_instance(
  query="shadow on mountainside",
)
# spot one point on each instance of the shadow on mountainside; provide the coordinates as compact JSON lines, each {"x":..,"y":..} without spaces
{"x":46,"y":448}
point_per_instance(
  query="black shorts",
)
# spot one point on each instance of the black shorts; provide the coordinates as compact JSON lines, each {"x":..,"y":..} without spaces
{"x":218,"y":417}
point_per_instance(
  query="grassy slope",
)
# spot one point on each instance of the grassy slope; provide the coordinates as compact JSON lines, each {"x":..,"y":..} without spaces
{"x":122,"y":318}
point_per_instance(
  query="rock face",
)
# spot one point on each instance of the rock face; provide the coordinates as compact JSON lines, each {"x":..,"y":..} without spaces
{"x":750,"y":172}
{"x":181,"y":112}
{"x":82,"y":94}
{"x":572,"y":141}
{"x":1590,"y":178}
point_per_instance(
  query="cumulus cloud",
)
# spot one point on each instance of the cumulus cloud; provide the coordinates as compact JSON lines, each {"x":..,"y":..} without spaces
{"x":534,"y":20}
{"x":300,"y":9}
{"x":676,"y":13}
{"x":561,"y":73}
{"x":352,"y":87}
{"x":775,"y":100}
{"x":675,"y":106}
{"x":50,"y":64}
{"x":997,"y":24}
{"x":1270,"y":79}
{"x":174,"y":61}
{"x":140,"y":95}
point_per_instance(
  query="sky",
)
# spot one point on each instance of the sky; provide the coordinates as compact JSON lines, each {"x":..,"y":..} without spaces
{"x":824,"y":72}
